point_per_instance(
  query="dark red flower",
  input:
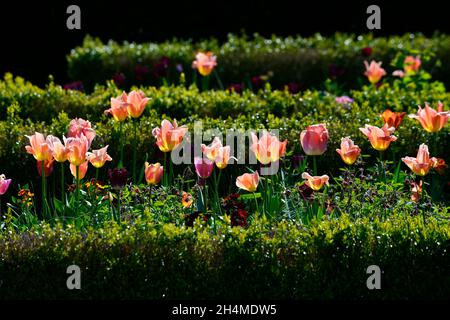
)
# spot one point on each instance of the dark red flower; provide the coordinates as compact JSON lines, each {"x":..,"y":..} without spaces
{"x":235,"y":87}
{"x":161,"y":67}
{"x":293,"y":87}
{"x":239,"y":218}
{"x":366,"y":51}
{"x":76,"y":86}
{"x":306,"y":192}
{"x":118,"y":177}
{"x":190,"y":218}
{"x":119,"y":79}
{"x":257,"y":82}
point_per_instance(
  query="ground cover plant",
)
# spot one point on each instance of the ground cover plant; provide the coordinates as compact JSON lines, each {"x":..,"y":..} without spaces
{"x":195,"y":190}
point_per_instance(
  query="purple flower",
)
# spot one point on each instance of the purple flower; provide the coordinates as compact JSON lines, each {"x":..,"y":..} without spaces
{"x":76,"y":85}
{"x":344,"y":100}
{"x":179,"y":67}
{"x":118,"y":177}
{"x":203,"y":167}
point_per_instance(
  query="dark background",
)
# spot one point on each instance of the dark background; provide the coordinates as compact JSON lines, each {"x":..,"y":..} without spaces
{"x":35,"y":39}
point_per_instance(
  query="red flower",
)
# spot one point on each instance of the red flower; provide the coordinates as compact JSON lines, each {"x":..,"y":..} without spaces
{"x":366,"y":51}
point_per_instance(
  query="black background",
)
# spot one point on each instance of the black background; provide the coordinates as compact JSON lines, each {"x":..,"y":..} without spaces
{"x":35,"y":39}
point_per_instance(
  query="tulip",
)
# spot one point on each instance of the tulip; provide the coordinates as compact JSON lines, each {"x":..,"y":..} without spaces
{"x":411,"y":64}
{"x":380,"y":138}
{"x":136,"y":103}
{"x":98,"y":157}
{"x":118,"y":177}
{"x":82,"y":169}
{"x":416,"y":191}
{"x":430,"y":119}
{"x":204,"y":63}
{"x":212,"y":150}
{"x":315,"y":182}
{"x":314,"y":139}
{"x":39,"y":147}
{"x":186,"y":200}
{"x":153,"y":173}
{"x":421,"y":164}
{"x":4,"y":184}
{"x":398,"y":73}
{"x":440,"y":166}
{"x":119,"y":108}
{"x":203,"y":167}
{"x":268,"y":148}
{"x":169,"y":136}
{"x":78,"y":126}
{"x":48,"y":167}
{"x":59,"y":150}
{"x":248,"y":181}
{"x":223,"y":157}
{"x":349,"y":152}
{"x":374,"y":71}
{"x":393,"y":119}
{"x":77,"y":149}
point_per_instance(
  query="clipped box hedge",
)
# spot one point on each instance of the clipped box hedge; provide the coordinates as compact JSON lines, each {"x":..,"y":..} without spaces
{"x":284,"y":260}
{"x":305,"y":61}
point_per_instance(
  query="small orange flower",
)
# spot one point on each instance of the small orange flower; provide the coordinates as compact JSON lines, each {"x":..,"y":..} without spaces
{"x":430,"y":119}
{"x":204,"y":63}
{"x":58,"y":149}
{"x":98,"y":157}
{"x":119,"y":108}
{"x":212,"y":150}
{"x":380,"y":138}
{"x":77,"y":149}
{"x":186,"y":200}
{"x":411,"y":64}
{"x":349,"y":152}
{"x":393,"y":119}
{"x":374,"y":71}
{"x":315,"y":182}
{"x":169,"y":136}
{"x":421,"y":164}
{"x":268,"y":148}
{"x":440,"y":166}
{"x":136,"y":103}
{"x":82,"y":169}
{"x":248,"y":181}
{"x":153,"y":173}
{"x":39,"y":147}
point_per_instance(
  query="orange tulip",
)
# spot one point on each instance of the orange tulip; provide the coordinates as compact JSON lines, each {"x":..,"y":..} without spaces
{"x":440,"y":166}
{"x":59,"y":150}
{"x":393,"y":119}
{"x":380,"y":138}
{"x":77,"y":150}
{"x":212,"y":150}
{"x":248,"y":181}
{"x":153,"y":173}
{"x":169,"y":136}
{"x":421,"y":164}
{"x":430,"y":119}
{"x":268,"y":148}
{"x":39,"y":147}
{"x":82,"y":169}
{"x":204,"y":63}
{"x":186,"y":199}
{"x":349,"y":152}
{"x":119,"y":108}
{"x":315,"y":182}
{"x":136,"y":103}
{"x":411,"y":64}
{"x":374,"y":71}
{"x":314,"y":139}
{"x":79,"y":126}
{"x":98,"y":157}
{"x":416,"y":191}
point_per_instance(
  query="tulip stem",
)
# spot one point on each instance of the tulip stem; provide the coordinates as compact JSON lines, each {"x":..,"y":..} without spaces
{"x":77,"y":192}
{"x":205,"y":83}
{"x":165,"y":170}
{"x":315,"y":165}
{"x":121,"y":144}
{"x":421,"y":197}
{"x":63,"y":192}
{"x":134,"y":151}
{"x":256,"y":202}
{"x":96,"y":175}
{"x":44,"y":193}
{"x":218,"y":80}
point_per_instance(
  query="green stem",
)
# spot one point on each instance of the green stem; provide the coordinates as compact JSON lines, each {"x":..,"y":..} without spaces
{"x":63,"y":191}
{"x":421,"y":196}
{"x":205,"y":83}
{"x":219,"y":81}
{"x":44,"y":191}
{"x":119,"y":204}
{"x":165,"y":170}
{"x":121,"y":144}
{"x":315,"y":165}
{"x":170,"y":172}
{"x":134,"y":150}
{"x":256,"y":202}
{"x":77,"y":194}
{"x":96,"y":174}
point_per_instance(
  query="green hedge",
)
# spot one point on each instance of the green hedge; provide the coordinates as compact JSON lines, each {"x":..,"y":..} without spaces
{"x":26,"y":108}
{"x":306,"y":61}
{"x":283,"y":260}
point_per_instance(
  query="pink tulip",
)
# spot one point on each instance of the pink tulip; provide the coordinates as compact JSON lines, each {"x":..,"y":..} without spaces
{"x":153,"y":173}
{"x":315,"y":182}
{"x":169,"y":136}
{"x":430,"y":119}
{"x":78,"y":126}
{"x":82,"y":169}
{"x":212,"y":150}
{"x":268,"y":148}
{"x":248,"y":181}
{"x":204,"y":63}
{"x":78,"y":148}
{"x":314,"y":139}
{"x":98,"y":157}
{"x":421,"y":164}
{"x":349,"y":152}
{"x":136,"y":103}
{"x":59,"y":150}
{"x":203,"y":167}
{"x":380,"y":139}
{"x":119,"y":107}
{"x":398,"y":73}
{"x":39,"y":147}
{"x":411,"y":64}
{"x":374,"y":71}
{"x":4,"y":184}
